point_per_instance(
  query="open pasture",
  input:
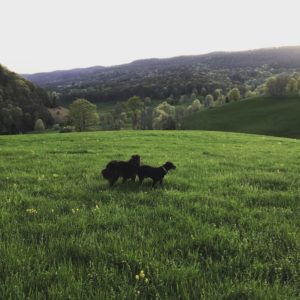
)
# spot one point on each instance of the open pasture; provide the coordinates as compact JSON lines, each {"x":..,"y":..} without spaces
{"x":224,"y":226}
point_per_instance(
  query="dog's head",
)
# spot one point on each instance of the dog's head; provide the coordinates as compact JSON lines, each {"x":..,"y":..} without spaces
{"x":169,"y":166}
{"x":135,"y":160}
{"x":105,"y":173}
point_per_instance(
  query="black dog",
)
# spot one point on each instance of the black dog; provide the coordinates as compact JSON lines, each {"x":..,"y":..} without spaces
{"x":156,"y":174}
{"x":125,"y":169}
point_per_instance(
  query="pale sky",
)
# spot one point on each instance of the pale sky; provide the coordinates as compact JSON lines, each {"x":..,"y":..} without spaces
{"x":46,"y":35}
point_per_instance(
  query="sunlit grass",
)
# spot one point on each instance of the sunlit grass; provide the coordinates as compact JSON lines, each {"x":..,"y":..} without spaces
{"x":224,"y":226}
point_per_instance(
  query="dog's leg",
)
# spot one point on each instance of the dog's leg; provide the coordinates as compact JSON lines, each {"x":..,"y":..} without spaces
{"x":133,"y":178}
{"x":161,"y":182}
{"x":113,"y":181}
{"x":153,"y":184}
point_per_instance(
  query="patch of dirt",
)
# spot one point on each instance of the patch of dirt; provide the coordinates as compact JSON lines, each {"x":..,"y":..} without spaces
{"x":59,"y":114}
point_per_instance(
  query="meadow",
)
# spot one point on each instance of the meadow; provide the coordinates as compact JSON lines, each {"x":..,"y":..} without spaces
{"x":258,"y":115}
{"x":225,"y":225}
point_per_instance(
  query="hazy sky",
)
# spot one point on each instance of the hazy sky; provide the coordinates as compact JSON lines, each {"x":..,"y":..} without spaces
{"x":45,"y":35}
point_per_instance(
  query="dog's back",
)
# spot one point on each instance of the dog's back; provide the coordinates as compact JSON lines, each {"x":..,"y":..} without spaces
{"x":125,"y":169}
{"x":146,"y":171}
{"x":156,"y":174}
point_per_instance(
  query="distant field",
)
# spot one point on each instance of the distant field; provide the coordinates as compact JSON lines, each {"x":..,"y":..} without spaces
{"x":225,"y":225}
{"x":109,"y":106}
{"x":277,"y":117}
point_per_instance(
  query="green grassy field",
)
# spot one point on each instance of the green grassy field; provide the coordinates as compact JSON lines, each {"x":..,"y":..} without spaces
{"x":276,"y":117}
{"x":224,"y":226}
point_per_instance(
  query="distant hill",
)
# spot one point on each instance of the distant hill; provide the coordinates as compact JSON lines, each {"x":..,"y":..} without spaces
{"x":21,"y":103}
{"x":160,"y":78}
{"x":262,"y":115}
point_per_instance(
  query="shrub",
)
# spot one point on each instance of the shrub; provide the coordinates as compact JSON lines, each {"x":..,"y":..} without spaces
{"x":39,"y":125}
{"x":66,"y":129}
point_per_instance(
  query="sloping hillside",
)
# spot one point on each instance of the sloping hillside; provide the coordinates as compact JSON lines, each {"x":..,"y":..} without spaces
{"x":160,"y":78}
{"x":277,"y":117}
{"x":21,"y":103}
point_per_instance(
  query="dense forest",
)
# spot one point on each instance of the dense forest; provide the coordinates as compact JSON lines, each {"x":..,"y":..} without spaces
{"x":21,"y":103}
{"x":173,"y":77}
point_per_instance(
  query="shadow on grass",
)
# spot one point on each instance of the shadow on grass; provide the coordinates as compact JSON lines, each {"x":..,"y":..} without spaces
{"x":135,"y":187}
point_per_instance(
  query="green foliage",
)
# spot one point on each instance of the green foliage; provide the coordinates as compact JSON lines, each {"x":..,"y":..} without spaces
{"x":107,"y":121}
{"x":276,"y":86}
{"x":164,"y":116}
{"x":21,"y":103}
{"x":65,"y":129}
{"x":224,"y":226}
{"x":250,"y":94}
{"x":39,"y":125}
{"x":83,"y":114}
{"x":208,"y":101}
{"x":292,"y":87}
{"x":192,"y":76}
{"x":234,"y":95}
{"x":194,"y":107}
{"x":147,"y":101}
{"x":134,"y":106}
{"x":146,"y":118}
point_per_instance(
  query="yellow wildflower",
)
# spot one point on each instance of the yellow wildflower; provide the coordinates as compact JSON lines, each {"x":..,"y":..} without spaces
{"x":31,"y":211}
{"x":142,"y":275}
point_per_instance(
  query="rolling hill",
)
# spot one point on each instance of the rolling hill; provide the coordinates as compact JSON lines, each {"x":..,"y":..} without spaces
{"x":261,"y":115}
{"x":160,"y":78}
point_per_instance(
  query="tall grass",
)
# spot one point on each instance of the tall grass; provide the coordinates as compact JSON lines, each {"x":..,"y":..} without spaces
{"x":224,"y":226}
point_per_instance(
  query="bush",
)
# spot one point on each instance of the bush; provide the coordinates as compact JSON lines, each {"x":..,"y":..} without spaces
{"x":66,"y":129}
{"x":56,"y":127}
{"x":39,"y":125}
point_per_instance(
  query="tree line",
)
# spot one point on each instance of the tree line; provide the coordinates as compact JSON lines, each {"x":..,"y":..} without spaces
{"x":138,"y":113}
{"x":22,"y":104}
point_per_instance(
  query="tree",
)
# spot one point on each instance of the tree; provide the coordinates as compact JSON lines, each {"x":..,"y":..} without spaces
{"x":107,"y":121}
{"x":217,"y":93}
{"x":276,"y":86}
{"x":39,"y":125}
{"x":208,"y":101}
{"x":164,"y":116}
{"x":171,"y":100}
{"x":17,"y":115}
{"x":146,"y":118}
{"x":234,"y":95}
{"x":119,"y":116}
{"x":134,"y":106}
{"x":194,"y":107}
{"x":83,"y":114}
{"x":250,"y":94}
{"x":147,"y":101}
{"x":179,"y":115}
{"x":292,"y":87}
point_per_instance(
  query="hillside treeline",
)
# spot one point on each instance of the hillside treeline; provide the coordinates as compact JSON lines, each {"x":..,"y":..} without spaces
{"x":21,"y":104}
{"x":173,"y":77}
